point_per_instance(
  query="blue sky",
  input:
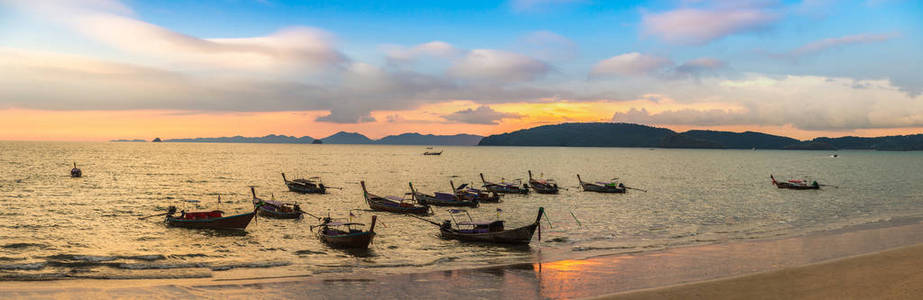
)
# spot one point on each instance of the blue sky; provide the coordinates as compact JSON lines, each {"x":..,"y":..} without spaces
{"x":477,"y":65}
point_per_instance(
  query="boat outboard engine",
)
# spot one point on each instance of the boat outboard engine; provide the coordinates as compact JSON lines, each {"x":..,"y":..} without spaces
{"x":171,"y":210}
{"x":322,"y":187}
{"x":446,"y":225}
{"x":296,"y":207}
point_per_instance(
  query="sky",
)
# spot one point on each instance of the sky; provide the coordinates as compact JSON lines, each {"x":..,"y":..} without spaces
{"x":95,"y":70}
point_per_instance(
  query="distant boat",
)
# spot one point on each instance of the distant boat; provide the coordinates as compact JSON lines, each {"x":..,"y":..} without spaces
{"x":466,"y":192}
{"x":795,"y":184}
{"x":392,"y":204}
{"x":432,"y":153}
{"x":275,"y":209}
{"x":311,"y":185}
{"x":515,"y":187}
{"x":488,"y":231}
{"x":75,"y":172}
{"x":208,"y":220}
{"x":543,"y":186}
{"x":441,"y":199}
{"x":344,"y":234}
{"x":611,"y":186}
{"x":156,"y":140}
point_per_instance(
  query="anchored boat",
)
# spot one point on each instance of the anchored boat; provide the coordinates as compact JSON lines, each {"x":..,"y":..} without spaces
{"x":311,"y":185}
{"x":441,"y":199}
{"x":345,"y":234}
{"x":612,"y":186}
{"x":543,"y":186}
{"x":466,"y":192}
{"x":392,"y":204}
{"x":795,"y":184}
{"x":275,"y":209}
{"x":515,"y":187}
{"x":76,"y":172}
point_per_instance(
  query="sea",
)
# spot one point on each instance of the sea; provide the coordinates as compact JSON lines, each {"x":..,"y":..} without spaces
{"x":54,"y":227}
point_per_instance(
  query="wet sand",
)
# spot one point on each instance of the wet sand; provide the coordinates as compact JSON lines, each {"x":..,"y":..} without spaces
{"x":891,"y":274}
{"x":807,"y":266}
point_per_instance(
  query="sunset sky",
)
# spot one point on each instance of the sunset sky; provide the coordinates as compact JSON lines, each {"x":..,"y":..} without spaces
{"x":95,"y":70}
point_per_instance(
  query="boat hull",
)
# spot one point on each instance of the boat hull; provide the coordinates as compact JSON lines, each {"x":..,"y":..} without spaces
{"x":269,"y":213}
{"x":393,"y":208}
{"x":785,"y":185}
{"x":602,"y":189}
{"x":429,"y":200}
{"x":502,"y":189}
{"x":518,"y":236}
{"x":298,"y":188}
{"x":235,"y":222}
{"x":359,"y":240}
{"x":544,"y":188}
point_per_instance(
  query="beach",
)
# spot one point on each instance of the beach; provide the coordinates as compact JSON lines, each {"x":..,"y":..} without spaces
{"x":881,"y":260}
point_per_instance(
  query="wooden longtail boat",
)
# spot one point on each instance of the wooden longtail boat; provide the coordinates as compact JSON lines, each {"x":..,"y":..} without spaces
{"x":602,"y":187}
{"x":489,"y":232}
{"x":344,"y":234}
{"x":441,"y":199}
{"x":543,"y":186}
{"x":432,"y":153}
{"x":76,"y":172}
{"x":505,"y":187}
{"x":311,"y":185}
{"x":392,"y":204}
{"x":208,"y":220}
{"x":275,"y":209}
{"x":468,"y":193}
{"x":795,"y":184}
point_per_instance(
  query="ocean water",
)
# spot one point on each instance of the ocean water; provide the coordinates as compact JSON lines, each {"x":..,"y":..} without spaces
{"x":56,"y":227}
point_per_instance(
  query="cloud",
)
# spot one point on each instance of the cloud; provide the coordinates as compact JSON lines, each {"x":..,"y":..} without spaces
{"x":438,"y":49}
{"x":700,"y":65}
{"x":496,"y":65}
{"x":548,"y":46}
{"x":290,"y":49}
{"x":482,"y":115}
{"x":630,"y":64}
{"x":831,"y":43}
{"x":804,"y":102}
{"x":693,"y":26}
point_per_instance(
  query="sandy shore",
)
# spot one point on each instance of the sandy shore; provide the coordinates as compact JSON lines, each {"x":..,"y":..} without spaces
{"x":891,"y":274}
{"x":871,"y":261}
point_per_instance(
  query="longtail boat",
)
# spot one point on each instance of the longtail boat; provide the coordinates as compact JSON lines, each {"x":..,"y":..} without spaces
{"x":275,"y":209}
{"x":611,"y":186}
{"x":489,"y":231}
{"x":311,"y":185}
{"x":441,"y":199}
{"x":208,"y":219}
{"x":433,"y":152}
{"x":468,"y":193}
{"x":543,"y":186}
{"x":76,"y":172}
{"x":392,"y":204}
{"x":795,"y":184}
{"x":345,"y":234}
{"x":505,"y":187}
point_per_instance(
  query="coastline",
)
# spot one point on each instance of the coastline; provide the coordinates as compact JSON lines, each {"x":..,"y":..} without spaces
{"x":795,"y":265}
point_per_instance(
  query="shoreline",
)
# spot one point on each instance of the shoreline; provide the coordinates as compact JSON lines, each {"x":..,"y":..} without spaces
{"x":646,"y":274}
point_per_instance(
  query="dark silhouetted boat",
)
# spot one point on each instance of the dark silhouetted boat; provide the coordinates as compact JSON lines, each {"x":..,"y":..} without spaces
{"x":611,"y":186}
{"x":504,"y":187}
{"x":76,"y":172}
{"x":275,"y":209}
{"x":489,"y":231}
{"x":208,"y":219}
{"x":466,"y":192}
{"x":392,"y":204}
{"x":311,"y":185}
{"x":345,"y":234}
{"x":543,"y":186}
{"x":433,"y":152}
{"x":795,"y":184}
{"x":440,"y":199}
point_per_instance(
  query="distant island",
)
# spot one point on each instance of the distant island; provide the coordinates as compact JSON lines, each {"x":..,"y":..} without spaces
{"x":343,"y":137}
{"x":635,"y":135}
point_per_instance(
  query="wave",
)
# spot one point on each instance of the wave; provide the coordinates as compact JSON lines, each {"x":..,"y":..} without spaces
{"x":23,"y":245}
{"x":23,"y":267}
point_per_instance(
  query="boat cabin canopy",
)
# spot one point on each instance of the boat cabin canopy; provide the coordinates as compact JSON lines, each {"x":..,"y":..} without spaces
{"x":481,"y":227}
{"x":199,"y":215}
